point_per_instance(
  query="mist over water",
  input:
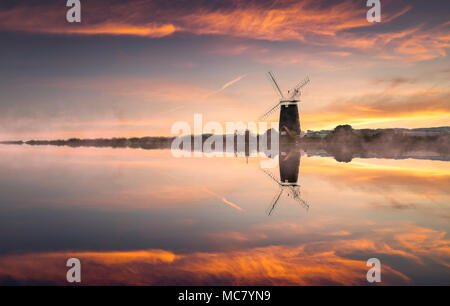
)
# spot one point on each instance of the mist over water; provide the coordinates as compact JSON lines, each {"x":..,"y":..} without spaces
{"x":135,"y":216}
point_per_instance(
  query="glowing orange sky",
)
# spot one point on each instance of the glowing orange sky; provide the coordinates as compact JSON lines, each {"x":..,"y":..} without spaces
{"x":141,"y":71}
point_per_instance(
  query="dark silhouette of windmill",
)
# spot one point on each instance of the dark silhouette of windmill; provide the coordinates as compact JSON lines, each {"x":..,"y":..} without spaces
{"x":289,"y":163}
{"x":289,"y":124}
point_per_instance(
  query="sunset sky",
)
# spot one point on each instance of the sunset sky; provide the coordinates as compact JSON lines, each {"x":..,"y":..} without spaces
{"x":133,"y":68}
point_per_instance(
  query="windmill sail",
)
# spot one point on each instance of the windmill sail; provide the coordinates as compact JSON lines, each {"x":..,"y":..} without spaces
{"x":289,"y":123}
{"x":274,"y":202}
{"x":295,"y":92}
{"x":289,"y":161}
{"x":269,"y":112}
{"x":274,"y":82}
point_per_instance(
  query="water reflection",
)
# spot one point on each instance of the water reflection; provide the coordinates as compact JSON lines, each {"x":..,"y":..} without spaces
{"x":289,"y":164}
{"x":137,"y":216}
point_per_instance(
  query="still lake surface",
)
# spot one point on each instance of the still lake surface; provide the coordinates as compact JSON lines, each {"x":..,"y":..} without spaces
{"x":143,"y":217}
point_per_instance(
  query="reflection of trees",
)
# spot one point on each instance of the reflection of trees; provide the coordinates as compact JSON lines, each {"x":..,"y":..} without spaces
{"x":343,"y":143}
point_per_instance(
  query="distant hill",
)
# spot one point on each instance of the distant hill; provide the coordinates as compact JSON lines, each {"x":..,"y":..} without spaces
{"x":433,"y":129}
{"x":417,"y":131}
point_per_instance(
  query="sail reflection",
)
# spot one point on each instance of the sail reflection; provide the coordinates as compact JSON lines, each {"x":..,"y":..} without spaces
{"x":289,"y":163}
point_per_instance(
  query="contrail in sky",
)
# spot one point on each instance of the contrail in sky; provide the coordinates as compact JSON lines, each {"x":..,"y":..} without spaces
{"x":226,"y":85}
{"x":223,"y":199}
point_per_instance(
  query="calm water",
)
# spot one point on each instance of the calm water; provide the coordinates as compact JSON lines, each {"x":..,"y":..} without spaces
{"x":136,"y":216}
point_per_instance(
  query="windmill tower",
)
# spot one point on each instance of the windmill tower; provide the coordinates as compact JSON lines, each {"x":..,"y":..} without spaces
{"x":289,"y":161}
{"x":289,"y":124}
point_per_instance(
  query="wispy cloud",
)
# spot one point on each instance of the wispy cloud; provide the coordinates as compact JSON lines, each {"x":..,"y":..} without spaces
{"x":227,"y":84}
{"x":149,"y":30}
{"x":339,"y":25}
{"x":223,"y":199}
{"x":312,"y":263}
{"x":395,"y":81}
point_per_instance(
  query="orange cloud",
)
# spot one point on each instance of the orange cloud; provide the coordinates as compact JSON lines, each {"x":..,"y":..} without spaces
{"x":270,"y":265}
{"x":314,"y":263}
{"x":308,"y":21}
{"x":124,"y":29}
{"x":293,"y":21}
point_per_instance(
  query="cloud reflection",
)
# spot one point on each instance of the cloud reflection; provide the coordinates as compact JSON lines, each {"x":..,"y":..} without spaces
{"x":314,"y":263}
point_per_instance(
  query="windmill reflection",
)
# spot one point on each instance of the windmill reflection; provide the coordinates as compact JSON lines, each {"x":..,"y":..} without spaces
{"x":288,"y":154}
{"x":289,"y":163}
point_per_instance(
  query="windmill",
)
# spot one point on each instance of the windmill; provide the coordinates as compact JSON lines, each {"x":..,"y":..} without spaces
{"x":289,"y":124}
{"x":289,"y":165}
